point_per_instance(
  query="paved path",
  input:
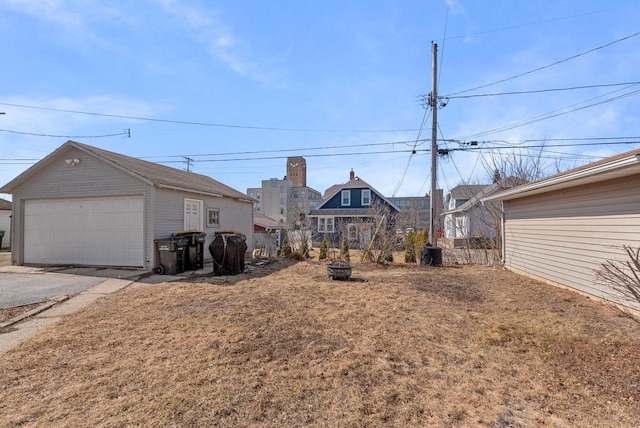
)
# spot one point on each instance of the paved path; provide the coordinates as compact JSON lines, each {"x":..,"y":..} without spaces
{"x":18,"y":289}
{"x":16,"y":333}
{"x":62,"y":291}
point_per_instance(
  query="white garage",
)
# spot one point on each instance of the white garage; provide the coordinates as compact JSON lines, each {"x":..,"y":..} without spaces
{"x":82,"y":205}
{"x":90,"y":231}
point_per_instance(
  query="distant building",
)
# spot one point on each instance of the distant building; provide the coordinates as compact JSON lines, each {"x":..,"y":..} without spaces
{"x":288,"y":200}
{"x":297,"y":171}
{"x":273,"y":198}
{"x":415,"y":211}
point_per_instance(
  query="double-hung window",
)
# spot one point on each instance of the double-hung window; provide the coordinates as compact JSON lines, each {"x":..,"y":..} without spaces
{"x":325,"y":224}
{"x":345,"y":197}
{"x":366,"y":197}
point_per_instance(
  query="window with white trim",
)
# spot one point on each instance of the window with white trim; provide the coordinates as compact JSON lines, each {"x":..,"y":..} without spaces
{"x":213,"y":217}
{"x":325,"y":224}
{"x":345,"y":197}
{"x":366,"y":197}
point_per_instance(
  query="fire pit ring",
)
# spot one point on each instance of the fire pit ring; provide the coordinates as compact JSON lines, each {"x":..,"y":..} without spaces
{"x":339,"y":270}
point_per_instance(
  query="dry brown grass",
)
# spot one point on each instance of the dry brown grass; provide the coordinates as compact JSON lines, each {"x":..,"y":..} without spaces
{"x":397,"y":346}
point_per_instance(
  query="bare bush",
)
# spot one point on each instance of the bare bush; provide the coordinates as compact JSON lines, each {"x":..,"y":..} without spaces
{"x":623,"y":276}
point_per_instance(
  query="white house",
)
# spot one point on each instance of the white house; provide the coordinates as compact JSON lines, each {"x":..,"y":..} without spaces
{"x":87,"y":206}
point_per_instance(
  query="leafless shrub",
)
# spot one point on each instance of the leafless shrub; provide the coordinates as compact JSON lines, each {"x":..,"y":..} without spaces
{"x":623,"y":277}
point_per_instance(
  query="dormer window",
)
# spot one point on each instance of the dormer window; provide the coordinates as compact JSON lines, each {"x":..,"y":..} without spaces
{"x":366,"y":197}
{"x":345,"y":197}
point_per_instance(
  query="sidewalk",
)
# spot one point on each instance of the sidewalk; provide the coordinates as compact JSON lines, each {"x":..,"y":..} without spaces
{"x":50,"y":312}
{"x":21,"y":329}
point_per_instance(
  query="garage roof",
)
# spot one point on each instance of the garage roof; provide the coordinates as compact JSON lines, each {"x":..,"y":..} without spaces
{"x":621,"y":165}
{"x":153,"y":173}
{"x":5,"y":205}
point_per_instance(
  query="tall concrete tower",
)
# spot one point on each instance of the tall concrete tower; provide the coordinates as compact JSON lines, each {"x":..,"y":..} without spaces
{"x":297,"y":171}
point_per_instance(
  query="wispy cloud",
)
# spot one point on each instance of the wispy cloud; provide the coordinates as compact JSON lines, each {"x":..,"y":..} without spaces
{"x":208,"y":29}
{"x":222,"y":42}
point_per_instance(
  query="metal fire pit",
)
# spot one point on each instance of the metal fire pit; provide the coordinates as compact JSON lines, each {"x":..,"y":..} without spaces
{"x":339,"y":270}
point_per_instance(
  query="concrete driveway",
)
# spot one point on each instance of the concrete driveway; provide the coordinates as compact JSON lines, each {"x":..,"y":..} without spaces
{"x":21,"y":285}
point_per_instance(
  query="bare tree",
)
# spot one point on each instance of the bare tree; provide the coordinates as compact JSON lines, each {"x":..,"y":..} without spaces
{"x":299,"y":233}
{"x":384,"y":239}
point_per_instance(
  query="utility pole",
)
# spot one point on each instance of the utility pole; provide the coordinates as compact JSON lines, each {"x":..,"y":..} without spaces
{"x":433,"y":101}
{"x":188,"y":161}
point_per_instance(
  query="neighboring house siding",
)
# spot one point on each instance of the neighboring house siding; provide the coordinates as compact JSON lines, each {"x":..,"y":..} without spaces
{"x":355,"y":200}
{"x":564,"y":236}
{"x":60,"y":180}
{"x":5,"y":224}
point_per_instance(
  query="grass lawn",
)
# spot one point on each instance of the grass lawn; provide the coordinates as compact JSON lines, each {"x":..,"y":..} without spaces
{"x":283,"y":345}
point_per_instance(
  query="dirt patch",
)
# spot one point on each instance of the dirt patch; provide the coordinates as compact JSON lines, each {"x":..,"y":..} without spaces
{"x":401,"y":346}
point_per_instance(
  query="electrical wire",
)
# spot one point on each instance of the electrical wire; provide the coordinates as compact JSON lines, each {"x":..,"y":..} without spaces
{"x":552,"y":114}
{"x":219,"y":125}
{"x":537,"y":91}
{"x":33,"y":134}
{"x":392,"y":143}
{"x":425,"y":116}
{"x":545,"y":66}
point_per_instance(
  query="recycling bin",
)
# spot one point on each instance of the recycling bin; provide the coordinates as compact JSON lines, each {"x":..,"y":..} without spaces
{"x":170,"y":255}
{"x":195,"y":248}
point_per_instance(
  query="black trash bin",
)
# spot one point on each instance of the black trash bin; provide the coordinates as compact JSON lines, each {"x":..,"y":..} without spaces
{"x":430,"y":256}
{"x":1,"y":236}
{"x":170,"y":255}
{"x":195,"y":248}
{"x":227,"y":251}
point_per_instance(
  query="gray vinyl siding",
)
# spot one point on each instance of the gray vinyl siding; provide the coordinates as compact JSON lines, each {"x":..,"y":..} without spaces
{"x":564,"y":236}
{"x":90,"y":178}
{"x":234,"y":215}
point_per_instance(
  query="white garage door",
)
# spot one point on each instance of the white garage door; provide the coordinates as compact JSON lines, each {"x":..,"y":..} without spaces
{"x":88,"y":231}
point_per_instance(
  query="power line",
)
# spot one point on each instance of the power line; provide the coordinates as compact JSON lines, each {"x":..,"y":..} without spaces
{"x":209,"y":124}
{"x":538,"y":146}
{"x":127,"y":134}
{"x":537,"y":91}
{"x":545,"y":66}
{"x":290,"y":150}
{"x":551,"y":114}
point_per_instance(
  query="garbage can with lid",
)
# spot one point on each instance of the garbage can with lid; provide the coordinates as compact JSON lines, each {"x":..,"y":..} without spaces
{"x":170,"y":255}
{"x":195,"y":248}
{"x":1,"y":236}
{"x":227,"y":250}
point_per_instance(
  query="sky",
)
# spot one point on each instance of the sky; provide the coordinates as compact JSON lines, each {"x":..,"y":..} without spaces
{"x":237,"y":86}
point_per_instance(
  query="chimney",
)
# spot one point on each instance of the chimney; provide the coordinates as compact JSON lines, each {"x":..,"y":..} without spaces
{"x":496,"y":176}
{"x":352,"y":175}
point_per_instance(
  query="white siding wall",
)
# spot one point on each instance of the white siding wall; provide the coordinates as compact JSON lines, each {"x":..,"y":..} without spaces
{"x":564,"y":236}
{"x":89,"y":178}
{"x":234,"y":215}
{"x":5,"y":224}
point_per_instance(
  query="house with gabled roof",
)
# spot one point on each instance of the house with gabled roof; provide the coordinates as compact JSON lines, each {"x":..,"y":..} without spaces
{"x":353,"y":210}
{"x":83,"y":205}
{"x":467,"y":220}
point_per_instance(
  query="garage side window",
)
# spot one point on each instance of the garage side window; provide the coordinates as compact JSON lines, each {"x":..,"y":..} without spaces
{"x":193,"y":214}
{"x":213,"y":217}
